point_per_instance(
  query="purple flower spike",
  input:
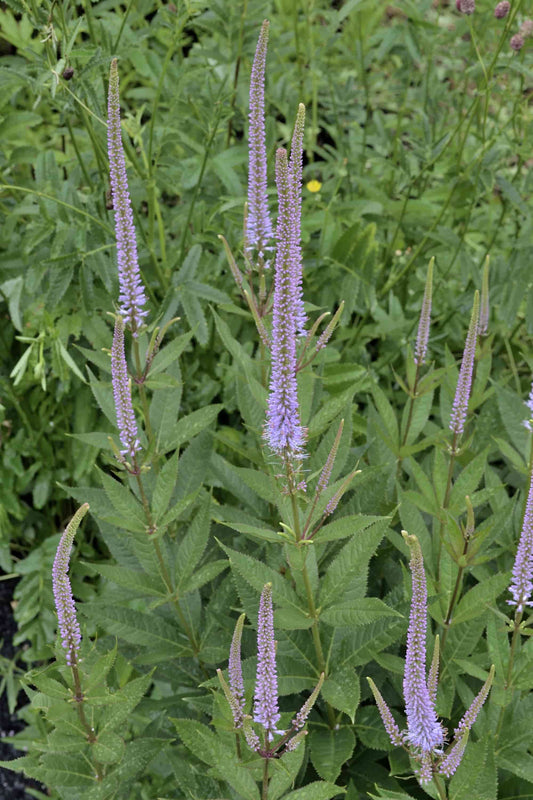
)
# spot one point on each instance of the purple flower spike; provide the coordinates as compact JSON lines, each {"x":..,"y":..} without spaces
{"x":64,"y":602}
{"x":235,"y":673}
{"x":284,"y":432}
{"x":433,"y":676}
{"x":464,"y":382}
{"x":258,"y":225}
{"x":484,"y":310}
{"x":132,"y":297}
{"x":127,"y":426}
{"x":454,"y":757}
{"x":470,"y":716}
{"x":422,"y":337}
{"x":266,"y":685}
{"x":301,"y":717}
{"x":395,"y":735}
{"x":295,"y":180}
{"x":522,"y":580}
{"x":424,"y":730}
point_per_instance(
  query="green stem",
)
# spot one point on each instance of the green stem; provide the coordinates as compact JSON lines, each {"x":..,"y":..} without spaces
{"x":453,"y":599}
{"x":508,"y":677}
{"x":264,"y":792}
{"x":79,"y":700}
{"x":142,"y":394}
{"x":439,"y":787}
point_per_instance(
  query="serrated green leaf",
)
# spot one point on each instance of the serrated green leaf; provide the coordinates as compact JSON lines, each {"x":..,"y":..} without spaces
{"x":256,"y":574}
{"x":188,"y":427}
{"x":284,"y":771}
{"x":203,"y":575}
{"x":204,"y":744}
{"x":108,"y":748}
{"x":177,"y":509}
{"x":349,"y":569}
{"x":136,"y":627}
{"x":477,"y":599}
{"x":359,"y":612}
{"x":170,"y":353}
{"x":330,"y":750}
{"x":341,"y":689}
{"x":318,"y":790}
{"x":124,"y":503}
{"x":164,"y":487}
{"x":139,"y":582}
{"x":464,"y":784}
{"x":467,"y":482}
{"x":194,"y":543}
{"x":347,"y":526}
{"x":124,"y":701}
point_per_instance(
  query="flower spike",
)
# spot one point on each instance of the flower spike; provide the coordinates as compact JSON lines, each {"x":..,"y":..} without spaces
{"x":258,"y":225}
{"x":284,"y":432}
{"x":484,"y":310}
{"x":235,"y":671}
{"x":470,"y":716}
{"x":301,"y":717}
{"x":126,"y":423}
{"x":395,"y":735}
{"x":422,"y":337}
{"x":425,"y":731}
{"x":454,"y":757}
{"x":266,"y":685}
{"x":66,"y":610}
{"x":132,"y":297}
{"x":522,"y":577}
{"x":295,"y":181}
{"x":464,"y":382}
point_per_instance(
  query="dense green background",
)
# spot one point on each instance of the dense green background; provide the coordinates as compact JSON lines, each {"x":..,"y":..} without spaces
{"x":419,"y":131}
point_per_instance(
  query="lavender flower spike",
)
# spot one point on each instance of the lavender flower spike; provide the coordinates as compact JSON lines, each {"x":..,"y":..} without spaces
{"x":470,"y":716}
{"x":484,"y":310}
{"x":235,"y":672}
{"x":521,"y":586}
{"x":266,"y":685}
{"x":295,"y":181}
{"x":64,"y":602}
{"x":422,"y":337}
{"x":127,"y":426}
{"x":424,"y":730}
{"x":454,"y":757}
{"x":258,"y":224}
{"x":301,"y":717}
{"x":132,"y":297}
{"x":284,"y":432}
{"x":464,"y":382}
{"x":395,"y":735}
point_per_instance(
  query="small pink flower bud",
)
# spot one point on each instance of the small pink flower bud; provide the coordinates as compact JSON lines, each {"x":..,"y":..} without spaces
{"x":517,"y":42}
{"x":526,"y":28}
{"x":466,"y":6}
{"x":502,"y":9}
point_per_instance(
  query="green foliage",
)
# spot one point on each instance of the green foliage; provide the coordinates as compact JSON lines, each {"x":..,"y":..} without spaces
{"x":417,"y":136}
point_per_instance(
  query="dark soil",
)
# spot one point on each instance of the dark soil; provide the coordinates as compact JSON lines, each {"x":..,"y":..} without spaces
{"x":12,"y":784}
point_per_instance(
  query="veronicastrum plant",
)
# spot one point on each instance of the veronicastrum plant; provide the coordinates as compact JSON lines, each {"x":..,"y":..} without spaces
{"x":159,"y":626}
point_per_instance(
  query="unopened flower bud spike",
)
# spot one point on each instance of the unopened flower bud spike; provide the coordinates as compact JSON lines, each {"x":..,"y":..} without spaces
{"x":66,"y":610}
{"x":325,"y":476}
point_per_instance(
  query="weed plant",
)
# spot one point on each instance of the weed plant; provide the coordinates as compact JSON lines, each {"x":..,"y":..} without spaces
{"x":286,"y":371}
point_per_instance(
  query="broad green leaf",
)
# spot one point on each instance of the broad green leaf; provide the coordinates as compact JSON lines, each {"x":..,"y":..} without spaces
{"x":519,"y":763}
{"x":164,"y":487}
{"x":136,"y":627}
{"x":284,"y":771}
{"x":351,"y":565}
{"x":478,"y":599}
{"x":204,"y":744}
{"x":108,"y":748}
{"x":359,"y":612}
{"x":256,"y":574}
{"x":203,"y":575}
{"x":170,"y":353}
{"x":318,"y":790}
{"x":124,"y":701}
{"x":139,"y":582}
{"x":124,"y":502}
{"x":387,"y":416}
{"x":341,"y":690}
{"x":194,"y":543}
{"x":175,"y":511}
{"x":138,"y":755}
{"x":188,"y":427}
{"x":467,"y":482}
{"x":330,"y":750}
{"x":347,"y":526}
{"x":464,"y":784}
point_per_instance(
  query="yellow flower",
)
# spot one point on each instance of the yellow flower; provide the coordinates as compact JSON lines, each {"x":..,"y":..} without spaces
{"x":313,"y":186}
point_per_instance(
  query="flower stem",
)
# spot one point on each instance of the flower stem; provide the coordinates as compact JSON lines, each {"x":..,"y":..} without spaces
{"x":439,"y":787}
{"x":264,"y":792}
